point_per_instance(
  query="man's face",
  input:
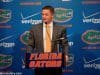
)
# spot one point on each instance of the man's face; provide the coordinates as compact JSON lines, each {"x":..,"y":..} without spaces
{"x":47,"y":16}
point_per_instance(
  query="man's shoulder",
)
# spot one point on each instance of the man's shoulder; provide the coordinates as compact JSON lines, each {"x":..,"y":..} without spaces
{"x":60,"y":26}
{"x":36,"y":26}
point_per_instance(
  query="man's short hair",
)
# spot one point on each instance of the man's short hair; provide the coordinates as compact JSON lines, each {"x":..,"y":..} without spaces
{"x":49,"y":8}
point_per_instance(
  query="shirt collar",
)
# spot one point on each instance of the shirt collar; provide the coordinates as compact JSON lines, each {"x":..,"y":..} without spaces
{"x":51,"y":24}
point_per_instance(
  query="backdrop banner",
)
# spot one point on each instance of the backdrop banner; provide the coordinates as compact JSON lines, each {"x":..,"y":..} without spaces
{"x":82,"y":19}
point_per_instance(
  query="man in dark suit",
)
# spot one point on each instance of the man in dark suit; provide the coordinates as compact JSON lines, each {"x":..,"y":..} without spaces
{"x":46,"y":37}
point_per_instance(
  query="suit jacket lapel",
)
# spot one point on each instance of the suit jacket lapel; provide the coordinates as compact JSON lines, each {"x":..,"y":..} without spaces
{"x":54,"y":34}
{"x":41,"y":37}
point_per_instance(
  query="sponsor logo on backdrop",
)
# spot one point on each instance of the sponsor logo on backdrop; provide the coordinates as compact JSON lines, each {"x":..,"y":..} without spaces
{"x":58,"y":0}
{"x":90,"y":2}
{"x":70,"y":61}
{"x":91,"y":18}
{"x":6,"y":44}
{"x":30,"y":3}
{"x":68,"y":64}
{"x":63,"y":15}
{"x":24,"y":37}
{"x":6,"y":0}
{"x":5,"y":15}
{"x":29,"y":20}
{"x":94,"y":63}
{"x":10,"y":73}
{"x":5,"y":26}
{"x":91,"y":37}
{"x":70,"y":43}
{"x":5,"y":61}
{"x":66,"y":0}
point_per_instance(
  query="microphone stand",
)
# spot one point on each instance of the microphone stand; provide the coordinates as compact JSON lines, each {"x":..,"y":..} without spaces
{"x":58,"y":46}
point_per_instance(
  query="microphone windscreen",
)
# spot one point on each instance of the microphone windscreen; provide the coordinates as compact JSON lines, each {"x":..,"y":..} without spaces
{"x":45,"y":22}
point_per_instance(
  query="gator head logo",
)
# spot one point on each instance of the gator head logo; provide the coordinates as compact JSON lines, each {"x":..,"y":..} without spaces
{"x":70,"y":61}
{"x":5,"y":61}
{"x":63,"y":15}
{"x":91,"y":37}
{"x":5,"y":15}
{"x":24,"y":37}
{"x":6,"y":0}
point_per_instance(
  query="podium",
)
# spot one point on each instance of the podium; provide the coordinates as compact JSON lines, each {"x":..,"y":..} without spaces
{"x":43,"y":60}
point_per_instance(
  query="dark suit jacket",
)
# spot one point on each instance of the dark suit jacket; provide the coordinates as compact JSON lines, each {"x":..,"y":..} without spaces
{"x":35,"y":43}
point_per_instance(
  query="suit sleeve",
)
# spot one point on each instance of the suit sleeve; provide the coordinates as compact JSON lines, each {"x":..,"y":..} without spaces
{"x":64,"y":43}
{"x":31,"y":42}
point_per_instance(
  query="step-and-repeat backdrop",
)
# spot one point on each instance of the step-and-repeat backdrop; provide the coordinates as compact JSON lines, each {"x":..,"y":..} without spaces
{"x":82,"y":18}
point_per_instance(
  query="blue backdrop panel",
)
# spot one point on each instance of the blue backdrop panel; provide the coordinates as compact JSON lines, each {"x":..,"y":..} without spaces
{"x":82,"y":18}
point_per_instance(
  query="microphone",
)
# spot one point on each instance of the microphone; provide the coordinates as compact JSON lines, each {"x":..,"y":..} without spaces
{"x":59,"y":39}
{"x":46,"y":23}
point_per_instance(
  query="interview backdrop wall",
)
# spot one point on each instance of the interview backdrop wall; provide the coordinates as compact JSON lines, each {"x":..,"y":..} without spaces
{"x":81,"y":17}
